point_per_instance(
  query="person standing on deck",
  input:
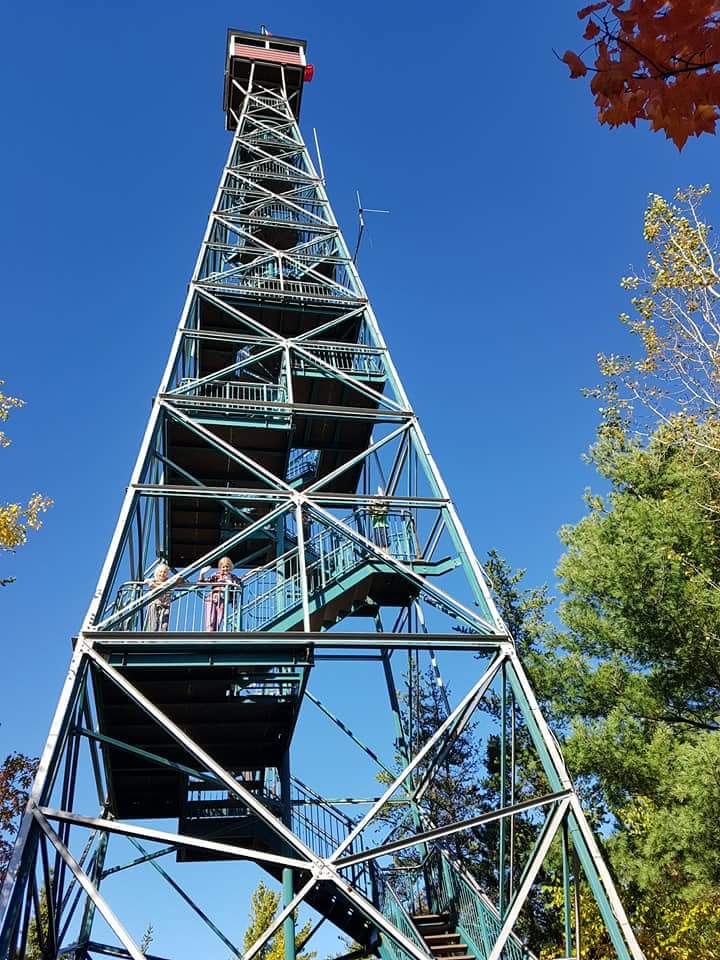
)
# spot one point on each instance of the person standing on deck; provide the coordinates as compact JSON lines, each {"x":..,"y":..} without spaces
{"x":222,"y":591}
{"x":158,"y":610}
{"x":379,"y":520}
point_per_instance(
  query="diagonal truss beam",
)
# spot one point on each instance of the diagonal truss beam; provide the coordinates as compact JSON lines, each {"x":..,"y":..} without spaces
{"x":551,"y":827}
{"x":90,"y":889}
{"x":353,"y":382}
{"x":187,"y":899}
{"x":227,"y":448}
{"x":233,"y":368}
{"x":439,"y":833}
{"x":238,"y":315}
{"x":175,"y":839}
{"x":474,"y":695}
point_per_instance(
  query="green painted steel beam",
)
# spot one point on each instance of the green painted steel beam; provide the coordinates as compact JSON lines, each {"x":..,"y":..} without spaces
{"x":151,"y":757}
{"x":120,"y":640}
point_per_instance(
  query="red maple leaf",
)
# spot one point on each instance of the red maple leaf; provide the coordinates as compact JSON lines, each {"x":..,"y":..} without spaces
{"x":577,"y":67}
{"x":586,"y":11}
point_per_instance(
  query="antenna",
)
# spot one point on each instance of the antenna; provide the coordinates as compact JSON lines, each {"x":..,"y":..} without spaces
{"x":317,"y":151}
{"x":361,"y":220}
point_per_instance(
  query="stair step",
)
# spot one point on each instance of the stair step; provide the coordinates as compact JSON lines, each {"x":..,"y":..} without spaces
{"x":461,"y":956}
{"x":430,"y":917}
{"x":448,"y":950}
{"x":445,"y":937}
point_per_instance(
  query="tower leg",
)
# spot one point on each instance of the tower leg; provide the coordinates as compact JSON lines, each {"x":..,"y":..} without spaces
{"x":289,"y":924}
{"x":288,"y":891}
{"x":89,"y":911}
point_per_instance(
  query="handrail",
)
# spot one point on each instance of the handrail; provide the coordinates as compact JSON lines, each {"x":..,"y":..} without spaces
{"x":272,"y":591}
{"x":352,"y":359}
{"x":273,"y":286}
{"x":440,"y":884}
{"x":302,"y":462}
{"x":235,"y":390}
{"x":317,"y":823}
{"x":477,"y":916}
{"x":392,"y":907}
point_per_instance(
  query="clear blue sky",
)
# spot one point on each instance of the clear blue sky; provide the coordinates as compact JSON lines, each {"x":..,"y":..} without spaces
{"x":513,"y":214}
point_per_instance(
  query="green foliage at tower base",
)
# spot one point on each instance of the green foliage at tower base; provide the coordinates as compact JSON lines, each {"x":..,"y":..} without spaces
{"x":264,"y":906}
{"x":631,"y":681}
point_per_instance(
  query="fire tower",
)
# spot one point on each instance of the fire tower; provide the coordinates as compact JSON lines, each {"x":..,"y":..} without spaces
{"x":285,"y":518}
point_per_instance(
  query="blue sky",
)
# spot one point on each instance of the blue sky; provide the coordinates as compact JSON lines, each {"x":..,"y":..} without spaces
{"x":513,"y":215}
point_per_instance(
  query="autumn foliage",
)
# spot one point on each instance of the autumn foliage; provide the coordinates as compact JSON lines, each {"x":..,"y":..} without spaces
{"x":17,"y":518}
{"x":16,"y":776}
{"x":654,"y":60}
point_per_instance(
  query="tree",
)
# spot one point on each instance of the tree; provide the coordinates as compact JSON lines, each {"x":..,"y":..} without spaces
{"x":17,"y":518}
{"x":636,"y":683}
{"x":640,"y":583}
{"x":264,"y":906}
{"x":454,"y":791}
{"x":674,"y":376}
{"x":654,"y":60}
{"x":16,"y":777}
{"x":147,"y":938}
{"x":653,"y":783}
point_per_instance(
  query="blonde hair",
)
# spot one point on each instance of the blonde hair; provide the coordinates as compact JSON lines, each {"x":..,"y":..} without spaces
{"x":225,"y":560}
{"x":160,"y":568}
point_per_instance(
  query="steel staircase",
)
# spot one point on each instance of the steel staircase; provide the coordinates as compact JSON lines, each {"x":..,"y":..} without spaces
{"x":438,"y":906}
{"x":441,"y":940}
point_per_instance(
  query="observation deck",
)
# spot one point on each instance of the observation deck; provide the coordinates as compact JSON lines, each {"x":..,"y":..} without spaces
{"x":259,"y":56}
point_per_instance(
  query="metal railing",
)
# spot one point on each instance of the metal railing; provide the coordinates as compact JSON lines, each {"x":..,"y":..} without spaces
{"x":290,"y":170}
{"x":477,"y":918}
{"x":394,"y":910}
{"x":235,"y":390}
{"x":278,"y":286}
{"x":217,"y":803}
{"x":439,"y":884}
{"x":354,"y":359}
{"x":323,"y":827}
{"x":275,"y":210}
{"x":276,"y":137}
{"x":319,"y":825}
{"x":302,"y":464}
{"x":272,"y":592}
{"x":266,"y":101}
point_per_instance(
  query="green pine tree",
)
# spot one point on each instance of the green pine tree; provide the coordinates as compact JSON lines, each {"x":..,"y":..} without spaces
{"x":264,"y":907}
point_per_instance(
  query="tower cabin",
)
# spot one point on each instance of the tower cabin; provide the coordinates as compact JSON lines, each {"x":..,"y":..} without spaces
{"x":257,"y":58}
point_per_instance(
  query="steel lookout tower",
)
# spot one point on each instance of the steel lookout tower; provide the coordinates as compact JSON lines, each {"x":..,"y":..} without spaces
{"x":287,"y":549}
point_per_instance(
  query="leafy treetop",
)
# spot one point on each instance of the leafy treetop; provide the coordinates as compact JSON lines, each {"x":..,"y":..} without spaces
{"x":16,"y":776}
{"x":654,"y":60}
{"x":264,"y":906}
{"x":17,"y":518}
{"x":673,"y":377}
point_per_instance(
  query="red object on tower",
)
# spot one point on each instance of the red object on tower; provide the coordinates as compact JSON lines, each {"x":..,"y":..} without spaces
{"x":309,"y":73}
